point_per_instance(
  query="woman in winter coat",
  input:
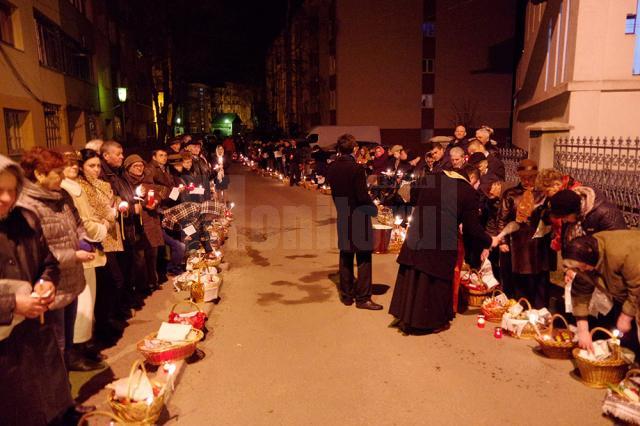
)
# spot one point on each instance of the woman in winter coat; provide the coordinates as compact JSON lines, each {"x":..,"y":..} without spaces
{"x":34,"y":388}
{"x":96,"y":228}
{"x":109,"y":307}
{"x":221,"y":179}
{"x":148,"y":235}
{"x":63,"y":232}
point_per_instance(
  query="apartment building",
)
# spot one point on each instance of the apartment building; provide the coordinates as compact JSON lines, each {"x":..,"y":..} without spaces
{"x":233,"y":98}
{"x":415,"y":68}
{"x":61,"y":62}
{"x":581,"y":67}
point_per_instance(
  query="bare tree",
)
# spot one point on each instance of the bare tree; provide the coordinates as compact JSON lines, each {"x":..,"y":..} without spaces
{"x":464,"y":112}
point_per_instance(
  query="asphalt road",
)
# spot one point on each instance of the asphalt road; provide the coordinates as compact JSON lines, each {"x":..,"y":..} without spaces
{"x":285,"y":351}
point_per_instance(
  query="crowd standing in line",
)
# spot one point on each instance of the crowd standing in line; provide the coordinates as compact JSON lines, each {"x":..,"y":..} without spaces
{"x":82,"y":244}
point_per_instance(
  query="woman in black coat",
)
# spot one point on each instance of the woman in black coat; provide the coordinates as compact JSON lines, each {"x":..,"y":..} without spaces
{"x":422,"y":299}
{"x":33,"y":381}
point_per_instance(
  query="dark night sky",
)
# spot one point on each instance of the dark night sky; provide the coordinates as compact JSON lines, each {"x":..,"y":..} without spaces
{"x":226,"y":40}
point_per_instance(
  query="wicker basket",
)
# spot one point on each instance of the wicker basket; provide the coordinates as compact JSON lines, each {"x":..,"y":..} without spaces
{"x":620,"y":406}
{"x":140,"y":412}
{"x":597,"y":374}
{"x":550,"y":347}
{"x":529,"y":330}
{"x":476,"y":297}
{"x":174,"y":352}
{"x":494,"y":314}
{"x":113,"y":419}
{"x":196,"y":318}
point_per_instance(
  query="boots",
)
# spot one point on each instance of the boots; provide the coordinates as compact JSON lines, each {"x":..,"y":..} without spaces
{"x":76,"y":361}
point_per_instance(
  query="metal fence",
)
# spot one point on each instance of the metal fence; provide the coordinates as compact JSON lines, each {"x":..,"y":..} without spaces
{"x":608,"y":164}
{"x":511,"y":157}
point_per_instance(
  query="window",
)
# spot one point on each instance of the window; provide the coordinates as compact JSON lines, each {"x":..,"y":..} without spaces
{"x":429,"y":29}
{"x":52,"y":125}
{"x":332,"y":65}
{"x":630,"y":27}
{"x":13,"y":122}
{"x":427,"y":101}
{"x":79,"y":4}
{"x":332,"y":100}
{"x":427,"y":66}
{"x":6,"y":24}
{"x":60,"y":52}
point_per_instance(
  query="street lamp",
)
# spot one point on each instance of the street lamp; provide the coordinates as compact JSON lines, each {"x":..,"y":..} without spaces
{"x":122,"y":97}
{"x":178,"y":120}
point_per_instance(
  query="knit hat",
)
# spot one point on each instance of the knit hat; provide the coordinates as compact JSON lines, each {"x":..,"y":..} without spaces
{"x":564,"y":203}
{"x":527,"y":167}
{"x":395,"y":148}
{"x":582,"y":249}
{"x":476,"y":158}
{"x":133,"y":158}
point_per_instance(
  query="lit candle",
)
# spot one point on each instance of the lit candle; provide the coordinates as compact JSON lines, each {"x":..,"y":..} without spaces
{"x":497,"y":333}
{"x":398,"y":221}
{"x":122,"y":208}
{"x":617,"y":335}
{"x":481,"y":321}
{"x":533,"y":319}
{"x":151,"y":198}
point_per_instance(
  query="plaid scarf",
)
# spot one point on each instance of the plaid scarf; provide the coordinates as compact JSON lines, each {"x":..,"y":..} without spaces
{"x":189,"y":213}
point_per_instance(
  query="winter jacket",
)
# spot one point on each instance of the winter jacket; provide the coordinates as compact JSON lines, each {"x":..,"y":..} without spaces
{"x":149,"y":233}
{"x":34,"y":387}
{"x":161,"y":178}
{"x":596,"y":214}
{"x":618,"y":268}
{"x":63,"y":230}
{"x":93,"y":224}
{"x":103,"y":201}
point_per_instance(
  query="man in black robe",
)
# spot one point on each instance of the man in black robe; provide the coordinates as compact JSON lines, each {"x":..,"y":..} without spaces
{"x":355,"y":208}
{"x":423,"y":295}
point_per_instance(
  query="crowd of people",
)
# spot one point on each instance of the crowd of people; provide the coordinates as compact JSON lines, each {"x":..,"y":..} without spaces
{"x":85,"y":237}
{"x":461,"y":211}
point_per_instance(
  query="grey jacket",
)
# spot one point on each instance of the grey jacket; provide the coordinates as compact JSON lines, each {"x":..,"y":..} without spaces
{"x":63,"y":230}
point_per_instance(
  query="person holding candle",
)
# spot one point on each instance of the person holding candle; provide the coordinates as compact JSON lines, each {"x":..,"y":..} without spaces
{"x":200,"y":169}
{"x":149,"y":232}
{"x":220,"y":177}
{"x":603,"y":278}
{"x":67,"y":239}
{"x":33,"y":399}
{"x":110,"y":310}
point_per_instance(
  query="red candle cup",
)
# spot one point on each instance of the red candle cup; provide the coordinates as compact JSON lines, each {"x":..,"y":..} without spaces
{"x":151,"y":198}
{"x":497,"y":333}
{"x":481,"y":321}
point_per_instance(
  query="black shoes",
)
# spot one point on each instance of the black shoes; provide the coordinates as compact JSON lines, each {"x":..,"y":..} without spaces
{"x":346,"y":300}
{"x":369,"y":304}
{"x":76,"y":361}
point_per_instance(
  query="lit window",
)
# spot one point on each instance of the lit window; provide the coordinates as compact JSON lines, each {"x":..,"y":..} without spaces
{"x":427,"y":101}
{"x":630,"y":27}
{"x":427,"y":66}
{"x":429,"y":29}
{"x":13,"y":122}
{"x":332,"y":100}
{"x":6,"y":24}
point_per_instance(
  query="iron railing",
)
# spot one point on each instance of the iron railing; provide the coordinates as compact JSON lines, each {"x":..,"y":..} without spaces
{"x":608,"y":164}
{"x":511,"y":156}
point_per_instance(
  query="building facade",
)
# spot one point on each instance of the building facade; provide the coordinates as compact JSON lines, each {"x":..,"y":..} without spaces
{"x":414,"y":71}
{"x":236,"y":99}
{"x":198,"y":112}
{"x":581,"y":67}
{"x":60,"y":64}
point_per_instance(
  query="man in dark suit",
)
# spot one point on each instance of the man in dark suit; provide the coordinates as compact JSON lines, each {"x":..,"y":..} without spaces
{"x":355,"y":208}
{"x":495,"y":164}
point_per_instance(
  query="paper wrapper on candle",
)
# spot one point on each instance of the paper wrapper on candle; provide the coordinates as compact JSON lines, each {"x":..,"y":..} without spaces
{"x":525,"y":206}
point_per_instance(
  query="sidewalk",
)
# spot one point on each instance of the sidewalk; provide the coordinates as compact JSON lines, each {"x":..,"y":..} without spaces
{"x":88,"y":387}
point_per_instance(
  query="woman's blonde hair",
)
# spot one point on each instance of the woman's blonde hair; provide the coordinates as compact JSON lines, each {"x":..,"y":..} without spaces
{"x":546,"y":178}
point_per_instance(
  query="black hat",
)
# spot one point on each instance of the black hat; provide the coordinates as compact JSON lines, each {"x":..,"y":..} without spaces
{"x":476,"y":158}
{"x":192,"y":141}
{"x":174,"y":140}
{"x":565,"y":202}
{"x":582,"y":249}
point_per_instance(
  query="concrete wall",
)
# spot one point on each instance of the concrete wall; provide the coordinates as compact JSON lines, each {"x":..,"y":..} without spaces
{"x":474,"y":61}
{"x":384,"y":88}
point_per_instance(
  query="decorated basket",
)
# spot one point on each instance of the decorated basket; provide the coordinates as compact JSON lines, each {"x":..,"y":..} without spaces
{"x":527,"y":330}
{"x":325,"y":190}
{"x":195,"y":318}
{"x":600,"y":373}
{"x":173,"y":351}
{"x":619,"y":405}
{"x":557,"y":343}
{"x":475,"y":296}
{"x":139,"y":412}
{"x":493,"y":313}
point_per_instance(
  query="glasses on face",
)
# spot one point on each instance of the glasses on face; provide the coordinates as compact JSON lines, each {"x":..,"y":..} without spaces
{"x":137,"y":166}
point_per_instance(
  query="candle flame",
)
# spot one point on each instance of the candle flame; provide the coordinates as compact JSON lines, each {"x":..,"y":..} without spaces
{"x":170,"y":368}
{"x":139,"y":191}
{"x":617,"y":333}
{"x":398,"y":220}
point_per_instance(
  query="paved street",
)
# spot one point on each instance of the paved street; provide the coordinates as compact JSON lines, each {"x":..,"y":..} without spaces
{"x":285,"y":351}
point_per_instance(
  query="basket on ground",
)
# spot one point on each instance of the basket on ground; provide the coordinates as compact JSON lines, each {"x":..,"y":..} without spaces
{"x":196,"y":318}
{"x":599,"y":373}
{"x":141,"y":412}
{"x":477,"y":291}
{"x":172,"y":351}
{"x":491,"y":309}
{"x":557,"y":343}
{"x":522,"y":328}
